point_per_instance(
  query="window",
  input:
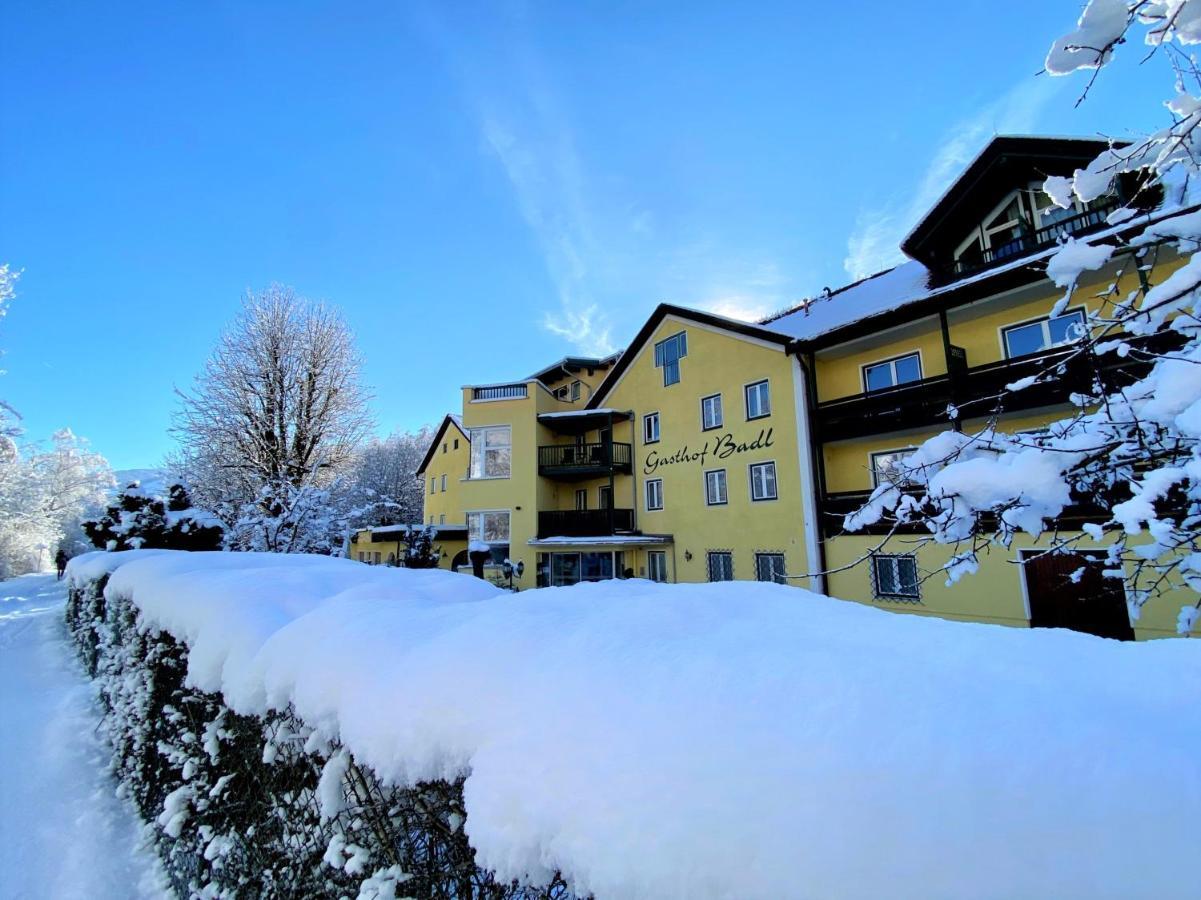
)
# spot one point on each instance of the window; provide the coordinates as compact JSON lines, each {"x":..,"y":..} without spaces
{"x":444,"y":446}
{"x":656,"y":565}
{"x":491,"y":452}
{"x":362,"y":556}
{"x":654,"y":494}
{"x":581,"y":498}
{"x":376,"y":559}
{"x":456,"y":443}
{"x":763,"y":481}
{"x":884,"y":467}
{"x":711,"y":416}
{"x":1042,"y":334}
{"x":758,"y":400}
{"x":650,"y":428}
{"x":895,"y":577}
{"x":431,"y":518}
{"x":575,"y":390}
{"x":769,"y":567}
{"x":442,"y":519}
{"x":715,"y":487}
{"x":605,"y":496}
{"x":444,"y":484}
{"x":720,"y":564}
{"x":491,"y":527}
{"x":668,"y":354}
{"x":433,"y":484}
{"x":892,"y":372}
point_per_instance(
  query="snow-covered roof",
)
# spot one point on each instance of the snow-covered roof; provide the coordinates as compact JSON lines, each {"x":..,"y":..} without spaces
{"x":884,"y":290}
{"x":599,"y":540}
{"x":908,"y":283}
{"x":419,"y":526}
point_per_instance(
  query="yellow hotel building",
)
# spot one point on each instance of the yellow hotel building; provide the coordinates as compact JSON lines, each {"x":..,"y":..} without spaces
{"x":712,"y":449}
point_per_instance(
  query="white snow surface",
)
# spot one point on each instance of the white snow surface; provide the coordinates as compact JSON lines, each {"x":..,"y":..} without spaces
{"x":63,"y":832}
{"x":718,"y":740}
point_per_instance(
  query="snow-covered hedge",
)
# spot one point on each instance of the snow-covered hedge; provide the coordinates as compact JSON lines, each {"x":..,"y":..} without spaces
{"x":307,"y":725}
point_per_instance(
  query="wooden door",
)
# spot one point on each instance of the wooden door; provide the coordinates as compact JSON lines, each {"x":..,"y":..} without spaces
{"x":1094,"y":604}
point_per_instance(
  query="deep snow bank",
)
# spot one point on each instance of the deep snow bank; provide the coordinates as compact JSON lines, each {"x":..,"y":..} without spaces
{"x":726,"y":740}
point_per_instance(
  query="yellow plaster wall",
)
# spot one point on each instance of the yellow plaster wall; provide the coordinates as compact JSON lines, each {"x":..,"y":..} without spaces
{"x":454,"y":464}
{"x":716,"y":362}
{"x":842,"y":375}
{"x":994,"y":594}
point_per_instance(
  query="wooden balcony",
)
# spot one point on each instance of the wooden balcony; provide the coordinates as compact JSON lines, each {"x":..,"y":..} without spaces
{"x":923,"y":404}
{"x":576,"y":461}
{"x":1034,"y":240}
{"x":836,"y":505}
{"x":584,"y":522}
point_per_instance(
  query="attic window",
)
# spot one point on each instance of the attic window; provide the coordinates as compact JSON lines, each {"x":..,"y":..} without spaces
{"x":668,"y":354}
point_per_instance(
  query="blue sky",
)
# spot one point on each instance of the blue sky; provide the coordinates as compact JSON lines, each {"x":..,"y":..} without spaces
{"x":482,"y":188}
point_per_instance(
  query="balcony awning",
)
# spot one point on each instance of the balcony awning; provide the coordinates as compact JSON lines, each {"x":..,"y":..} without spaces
{"x":579,"y":421}
{"x":603,"y":540}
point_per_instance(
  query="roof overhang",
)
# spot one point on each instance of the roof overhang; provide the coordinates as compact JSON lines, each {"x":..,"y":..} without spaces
{"x":1006,"y":162}
{"x":583,"y":420}
{"x":448,"y":421}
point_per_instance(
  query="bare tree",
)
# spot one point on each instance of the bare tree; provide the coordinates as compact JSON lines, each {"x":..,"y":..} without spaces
{"x":387,"y":490}
{"x":273,"y":420}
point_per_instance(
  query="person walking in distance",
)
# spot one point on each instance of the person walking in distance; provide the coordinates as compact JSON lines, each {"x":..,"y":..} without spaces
{"x":60,"y":561}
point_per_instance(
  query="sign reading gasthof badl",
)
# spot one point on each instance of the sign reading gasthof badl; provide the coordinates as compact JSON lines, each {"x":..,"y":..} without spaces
{"x":721,"y":446}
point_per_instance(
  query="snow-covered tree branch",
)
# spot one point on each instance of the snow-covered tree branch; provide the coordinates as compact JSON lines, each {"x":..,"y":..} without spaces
{"x":1129,"y":457}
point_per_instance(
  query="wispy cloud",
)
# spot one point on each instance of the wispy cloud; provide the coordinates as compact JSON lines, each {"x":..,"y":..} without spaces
{"x":874,"y":243}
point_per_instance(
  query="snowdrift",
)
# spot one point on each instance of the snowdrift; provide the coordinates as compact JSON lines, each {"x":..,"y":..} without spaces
{"x":713,"y":741}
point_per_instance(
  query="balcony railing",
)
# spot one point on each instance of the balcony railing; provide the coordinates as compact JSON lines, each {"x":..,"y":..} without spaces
{"x":500,"y":392}
{"x":921,"y":404}
{"x":584,"y":460}
{"x":836,"y":505}
{"x":1035,"y":239}
{"x":584,"y":522}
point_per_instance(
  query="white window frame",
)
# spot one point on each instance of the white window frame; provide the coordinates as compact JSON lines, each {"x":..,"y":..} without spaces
{"x":656,"y":559}
{"x":721,"y":413}
{"x":478,"y":536}
{"x":442,"y":518}
{"x":709,"y":555}
{"x":871,"y":461}
{"x":746,"y":398}
{"x":1045,"y":321}
{"x":891,"y":362}
{"x":444,"y":484}
{"x":647,"y":420}
{"x":775,"y":477}
{"x":581,"y":494}
{"x":891,"y":559}
{"x":649,"y":487}
{"x":725,"y":488}
{"x":479,"y":438}
{"x":576,"y":390}
{"x":433,"y":485}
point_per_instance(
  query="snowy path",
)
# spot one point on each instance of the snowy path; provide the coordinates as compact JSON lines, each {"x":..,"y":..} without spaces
{"x":63,"y":833}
